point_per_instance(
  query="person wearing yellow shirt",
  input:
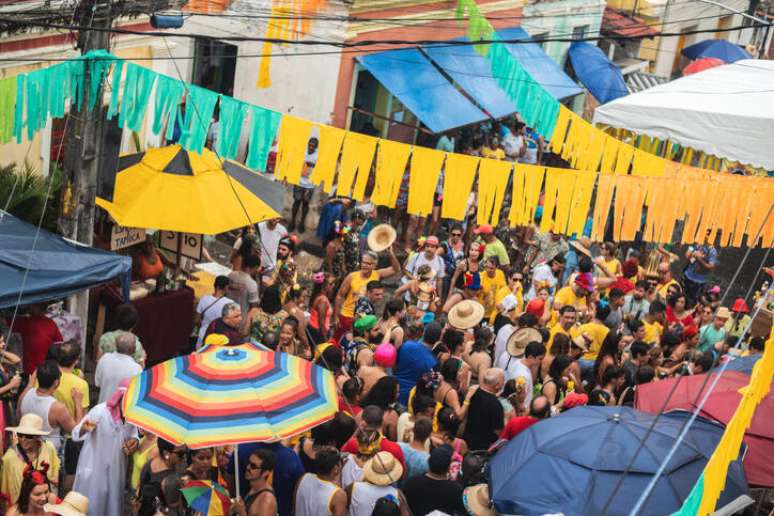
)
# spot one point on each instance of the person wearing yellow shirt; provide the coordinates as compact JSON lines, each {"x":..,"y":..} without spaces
{"x":594,"y":332}
{"x":576,"y":294}
{"x":514,"y":292}
{"x":492,"y":280}
{"x":654,"y":323}
{"x":665,"y":280}
{"x":609,"y":261}
{"x":568,"y":315}
{"x":492,"y":149}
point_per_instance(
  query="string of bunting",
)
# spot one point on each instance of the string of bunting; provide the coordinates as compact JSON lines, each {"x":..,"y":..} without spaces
{"x":645,"y":192}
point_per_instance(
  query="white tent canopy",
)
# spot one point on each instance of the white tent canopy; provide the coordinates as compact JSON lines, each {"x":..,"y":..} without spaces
{"x":726,"y":111}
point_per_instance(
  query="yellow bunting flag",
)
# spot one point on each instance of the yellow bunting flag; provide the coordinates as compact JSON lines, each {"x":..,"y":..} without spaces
{"x":533,"y":182}
{"x":581,"y":202}
{"x":560,"y":130}
{"x":292,"y":143}
{"x":492,"y":182}
{"x":356,"y":158}
{"x":458,"y":176}
{"x":516,"y":214}
{"x":328,"y":150}
{"x":391,"y":159}
{"x":609,"y":155}
{"x":605,"y":187}
{"x":423,"y":179}
{"x":623,"y":159}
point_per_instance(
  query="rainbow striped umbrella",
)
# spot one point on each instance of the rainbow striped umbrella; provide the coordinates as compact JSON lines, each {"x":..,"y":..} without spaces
{"x":230,"y":395}
{"x":205,"y":498}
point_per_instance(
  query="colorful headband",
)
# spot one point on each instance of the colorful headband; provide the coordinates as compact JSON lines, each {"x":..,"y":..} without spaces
{"x":37,"y":476}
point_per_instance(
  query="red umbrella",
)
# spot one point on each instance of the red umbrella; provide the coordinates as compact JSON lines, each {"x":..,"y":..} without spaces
{"x":701,"y":64}
{"x":720,"y":406}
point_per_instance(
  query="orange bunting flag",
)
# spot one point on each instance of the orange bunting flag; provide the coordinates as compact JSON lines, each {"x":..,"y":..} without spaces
{"x":328,"y":151}
{"x":605,"y":187}
{"x":292,"y":142}
{"x":391,"y":159}
{"x":492,"y":182}
{"x":423,"y":179}
{"x":458,"y":176}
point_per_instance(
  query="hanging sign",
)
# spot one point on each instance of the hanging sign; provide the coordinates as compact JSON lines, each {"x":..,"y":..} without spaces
{"x":122,"y":237}
{"x":188,"y":244}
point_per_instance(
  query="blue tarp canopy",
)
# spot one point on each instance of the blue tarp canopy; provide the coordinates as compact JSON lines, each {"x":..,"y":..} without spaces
{"x":474,"y":75}
{"x":599,"y":75}
{"x":539,"y":65}
{"x":413,"y":79}
{"x":57,"y":267}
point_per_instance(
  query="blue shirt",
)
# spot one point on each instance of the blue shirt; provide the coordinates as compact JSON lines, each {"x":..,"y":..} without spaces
{"x":416,"y":461}
{"x":286,"y":472}
{"x":696,"y":271}
{"x":330,"y":213}
{"x":414,"y":359}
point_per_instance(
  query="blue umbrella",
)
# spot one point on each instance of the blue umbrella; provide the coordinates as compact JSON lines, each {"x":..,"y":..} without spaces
{"x":599,"y":75}
{"x":717,"y":48}
{"x":571,"y":464}
{"x":742,"y":364}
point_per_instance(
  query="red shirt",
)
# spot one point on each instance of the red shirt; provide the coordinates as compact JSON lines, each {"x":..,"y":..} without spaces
{"x":386,"y":445}
{"x":685,"y":320}
{"x":38,"y":332}
{"x":623,"y":284}
{"x":516,"y":425}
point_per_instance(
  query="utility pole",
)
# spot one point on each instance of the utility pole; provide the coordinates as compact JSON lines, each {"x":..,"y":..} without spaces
{"x":84,"y":146}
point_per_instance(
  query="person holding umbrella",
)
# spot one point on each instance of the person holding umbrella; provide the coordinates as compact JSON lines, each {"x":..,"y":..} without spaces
{"x":260,"y":500}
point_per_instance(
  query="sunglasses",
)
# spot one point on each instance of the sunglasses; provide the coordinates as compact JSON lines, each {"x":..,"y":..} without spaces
{"x":456,"y":234}
{"x":254,"y":466}
{"x":27,"y":436}
{"x":517,"y":278}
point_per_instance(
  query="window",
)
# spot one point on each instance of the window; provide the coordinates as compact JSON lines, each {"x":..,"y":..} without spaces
{"x":579,"y":32}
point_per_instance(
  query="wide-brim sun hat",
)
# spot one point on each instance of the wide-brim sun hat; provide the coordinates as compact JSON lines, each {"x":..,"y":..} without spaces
{"x":582,"y":245}
{"x":466,"y":314}
{"x":29,"y":424}
{"x":476,"y":500}
{"x":381,"y":237}
{"x":382,"y":469}
{"x":519,"y":339}
{"x":73,"y":504}
{"x":723,"y":313}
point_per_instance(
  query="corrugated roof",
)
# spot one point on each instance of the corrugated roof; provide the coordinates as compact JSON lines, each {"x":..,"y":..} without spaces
{"x":618,"y":23}
{"x":640,"y":81}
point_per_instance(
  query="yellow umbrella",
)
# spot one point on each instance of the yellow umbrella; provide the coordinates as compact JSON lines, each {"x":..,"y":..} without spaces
{"x":175,"y":190}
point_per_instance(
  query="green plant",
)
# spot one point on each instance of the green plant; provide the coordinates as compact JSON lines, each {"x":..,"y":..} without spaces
{"x":24,"y":190}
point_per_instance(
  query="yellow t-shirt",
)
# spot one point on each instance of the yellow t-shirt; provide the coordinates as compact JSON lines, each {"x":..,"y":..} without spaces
{"x":566,"y":296}
{"x":557,"y":328}
{"x":13,"y":468}
{"x":613,"y":266}
{"x":498,"y":153}
{"x":357,"y":288}
{"x":652,"y":332}
{"x":662,"y":289}
{"x":488,"y":294}
{"x":598,"y":333}
{"x":67,"y":383}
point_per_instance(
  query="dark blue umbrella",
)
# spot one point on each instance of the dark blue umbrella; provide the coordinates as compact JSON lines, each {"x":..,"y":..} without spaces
{"x":717,"y":48}
{"x":571,"y":463}
{"x":597,"y":72}
{"x":742,"y":364}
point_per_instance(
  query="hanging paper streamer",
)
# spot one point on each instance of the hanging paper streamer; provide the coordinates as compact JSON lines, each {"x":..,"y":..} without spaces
{"x":605,"y":187}
{"x":328,"y":151}
{"x":356,"y":158}
{"x":231,"y":117}
{"x":391,"y":160}
{"x":533,"y":182}
{"x":199,"y":107}
{"x":99,"y":62}
{"x":423,"y":179}
{"x":137,"y":90}
{"x":515,"y":215}
{"x":458,"y":176}
{"x":18,"y":116}
{"x":7,"y":108}
{"x":492,"y":182}
{"x":166,"y":101}
{"x":581,"y":202}
{"x":263,"y":128}
{"x":118,"y":70}
{"x":292,"y":143}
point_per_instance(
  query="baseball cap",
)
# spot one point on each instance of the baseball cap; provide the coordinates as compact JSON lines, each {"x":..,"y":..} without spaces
{"x":483,"y":229}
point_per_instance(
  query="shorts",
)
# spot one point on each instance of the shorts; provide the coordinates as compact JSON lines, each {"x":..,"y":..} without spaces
{"x":303,"y":194}
{"x":71,"y":453}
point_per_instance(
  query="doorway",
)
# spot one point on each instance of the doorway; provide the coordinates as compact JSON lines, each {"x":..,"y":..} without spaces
{"x":214,"y":66}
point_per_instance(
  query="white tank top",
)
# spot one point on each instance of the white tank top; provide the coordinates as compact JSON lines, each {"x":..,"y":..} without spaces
{"x":350,"y":472}
{"x":365,"y":495}
{"x":40,"y":405}
{"x":314,"y":496}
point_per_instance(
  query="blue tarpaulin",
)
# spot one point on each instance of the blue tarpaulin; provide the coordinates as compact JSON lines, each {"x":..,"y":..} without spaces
{"x":57,"y":267}
{"x":539,"y":65}
{"x":596,"y":72}
{"x":413,"y":79}
{"x":473,"y":73}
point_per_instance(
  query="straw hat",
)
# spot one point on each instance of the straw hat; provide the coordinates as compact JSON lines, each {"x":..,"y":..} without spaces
{"x":519,"y":339}
{"x":582,"y":245}
{"x":74,"y":504}
{"x":476,"y":500}
{"x":581,"y":342}
{"x":29,"y":424}
{"x":381,"y":237}
{"x":466,"y":314}
{"x":382,"y":469}
{"x":723,"y":313}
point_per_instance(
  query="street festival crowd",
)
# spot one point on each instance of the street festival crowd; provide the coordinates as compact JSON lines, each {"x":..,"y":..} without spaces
{"x":439,"y":359}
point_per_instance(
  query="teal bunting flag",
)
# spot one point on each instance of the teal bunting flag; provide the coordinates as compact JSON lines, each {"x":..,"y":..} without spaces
{"x":137,"y":89}
{"x":18,"y":116}
{"x":37,"y":101}
{"x":99,"y":67}
{"x":200,"y":105}
{"x":231,"y":118}
{"x":116,"y":86}
{"x":263,"y":128}
{"x":166,"y":102}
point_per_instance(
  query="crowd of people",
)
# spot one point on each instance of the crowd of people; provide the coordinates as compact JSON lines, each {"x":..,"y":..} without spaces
{"x":440,"y":358}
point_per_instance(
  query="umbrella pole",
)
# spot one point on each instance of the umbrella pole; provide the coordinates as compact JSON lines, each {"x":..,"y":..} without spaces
{"x":236,"y":470}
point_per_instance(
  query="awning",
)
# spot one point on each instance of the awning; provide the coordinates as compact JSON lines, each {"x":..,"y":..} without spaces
{"x":726,"y":111}
{"x":473,"y":74}
{"x":617,"y":23}
{"x":539,"y":65}
{"x":596,"y":72}
{"x":411,"y":77}
{"x":55,"y":269}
